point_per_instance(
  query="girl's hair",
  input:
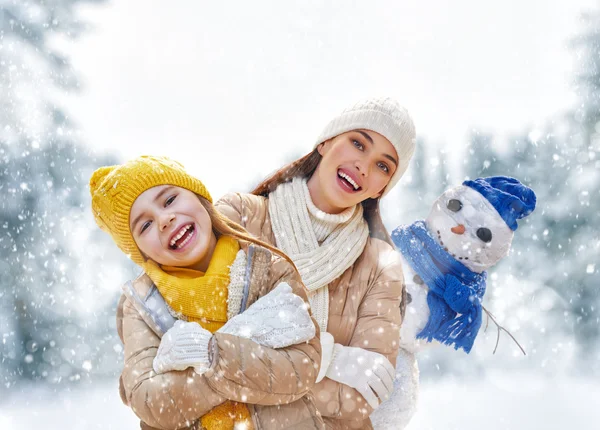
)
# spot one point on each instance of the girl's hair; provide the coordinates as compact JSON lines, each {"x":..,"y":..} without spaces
{"x":305,"y":167}
{"x":224,"y":226}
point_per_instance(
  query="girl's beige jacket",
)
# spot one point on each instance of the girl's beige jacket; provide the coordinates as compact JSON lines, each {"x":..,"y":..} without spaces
{"x":275,"y":383}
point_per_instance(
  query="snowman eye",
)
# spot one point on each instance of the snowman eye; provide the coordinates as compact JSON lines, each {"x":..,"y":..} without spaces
{"x":484,"y":234}
{"x":454,"y":205}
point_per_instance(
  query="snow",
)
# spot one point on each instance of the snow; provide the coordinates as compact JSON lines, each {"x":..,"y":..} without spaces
{"x":508,"y":402}
{"x":499,"y":402}
{"x":96,"y":407}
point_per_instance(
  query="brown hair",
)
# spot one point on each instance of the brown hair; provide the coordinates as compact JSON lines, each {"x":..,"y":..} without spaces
{"x":305,"y":167}
{"x":224,"y":226}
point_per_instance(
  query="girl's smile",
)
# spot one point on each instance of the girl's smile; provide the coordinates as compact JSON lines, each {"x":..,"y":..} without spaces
{"x":182,"y":237}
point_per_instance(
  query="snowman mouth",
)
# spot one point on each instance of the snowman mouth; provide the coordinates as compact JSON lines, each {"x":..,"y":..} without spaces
{"x":182,"y":237}
{"x":439,"y":235}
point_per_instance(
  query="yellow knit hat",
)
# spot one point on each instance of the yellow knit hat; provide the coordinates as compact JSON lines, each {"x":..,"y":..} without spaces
{"x":115,"y":188}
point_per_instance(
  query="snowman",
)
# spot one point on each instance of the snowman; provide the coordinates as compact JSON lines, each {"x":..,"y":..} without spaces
{"x":469,"y":229}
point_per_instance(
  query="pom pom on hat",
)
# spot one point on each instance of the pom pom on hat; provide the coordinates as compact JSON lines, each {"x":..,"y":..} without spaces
{"x":114,"y":189}
{"x":508,"y":196}
{"x":384,"y":116}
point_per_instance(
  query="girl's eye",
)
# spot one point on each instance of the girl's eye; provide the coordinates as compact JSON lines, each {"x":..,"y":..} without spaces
{"x":358,"y":145}
{"x":170,"y":200}
{"x":383,"y":167}
{"x":145,"y":226}
{"x":454,"y":205}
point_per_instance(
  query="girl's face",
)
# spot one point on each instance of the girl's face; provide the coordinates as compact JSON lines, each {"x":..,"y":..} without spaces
{"x":171,"y":227}
{"x":356,"y":166}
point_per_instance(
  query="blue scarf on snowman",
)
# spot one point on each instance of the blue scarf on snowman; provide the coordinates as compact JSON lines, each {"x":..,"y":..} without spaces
{"x":455,"y":292}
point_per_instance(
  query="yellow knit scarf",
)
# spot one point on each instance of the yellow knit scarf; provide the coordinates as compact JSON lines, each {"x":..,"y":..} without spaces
{"x":202,"y":298}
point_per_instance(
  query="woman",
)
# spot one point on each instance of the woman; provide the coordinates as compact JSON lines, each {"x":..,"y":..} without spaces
{"x":323,"y":211}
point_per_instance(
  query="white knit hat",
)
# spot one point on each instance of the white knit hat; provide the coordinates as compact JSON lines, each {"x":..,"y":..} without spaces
{"x":383,"y":116}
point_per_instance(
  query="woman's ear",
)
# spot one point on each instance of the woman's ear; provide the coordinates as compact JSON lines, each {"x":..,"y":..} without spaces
{"x":320,"y":148}
{"x":323,"y":147}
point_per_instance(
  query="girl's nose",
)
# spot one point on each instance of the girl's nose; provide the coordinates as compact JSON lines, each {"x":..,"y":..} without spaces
{"x":166,"y":221}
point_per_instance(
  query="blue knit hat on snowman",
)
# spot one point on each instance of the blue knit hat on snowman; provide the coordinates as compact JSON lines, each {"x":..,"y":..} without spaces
{"x":508,"y":196}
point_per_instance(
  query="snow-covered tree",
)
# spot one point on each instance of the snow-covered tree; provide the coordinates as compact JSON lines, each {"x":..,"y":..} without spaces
{"x":584,"y":180}
{"x":546,"y":292}
{"x":57,"y":297}
{"x":556,"y":250}
{"x":586,"y":47}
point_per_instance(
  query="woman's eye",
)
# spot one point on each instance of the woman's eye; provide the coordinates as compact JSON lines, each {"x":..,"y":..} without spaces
{"x":170,"y":200}
{"x":454,"y":205}
{"x":383,"y":167}
{"x":484,"y":234}
{"x":145,"y":226}
{"x":358,"y":145}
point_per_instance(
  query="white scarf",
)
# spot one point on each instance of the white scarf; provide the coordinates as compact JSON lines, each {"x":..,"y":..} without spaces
{"x":321,"y":245}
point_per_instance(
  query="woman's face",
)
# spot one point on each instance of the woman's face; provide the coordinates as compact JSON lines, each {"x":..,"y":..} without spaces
{"x":171,"y":227}
{"x":356,"y":166}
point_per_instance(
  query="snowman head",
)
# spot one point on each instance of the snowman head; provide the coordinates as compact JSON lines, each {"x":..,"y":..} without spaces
{"x":475,"y":222}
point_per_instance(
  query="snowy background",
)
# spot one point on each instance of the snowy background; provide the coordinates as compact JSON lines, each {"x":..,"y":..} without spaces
{"x":236,"y":90}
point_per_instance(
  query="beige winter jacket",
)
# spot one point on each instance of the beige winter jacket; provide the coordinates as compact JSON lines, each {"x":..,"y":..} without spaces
{"x":364,"y":308}
{"x":275,"y":383}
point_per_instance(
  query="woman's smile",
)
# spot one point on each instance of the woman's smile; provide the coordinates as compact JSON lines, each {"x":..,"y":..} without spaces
{"x":349,"y":181}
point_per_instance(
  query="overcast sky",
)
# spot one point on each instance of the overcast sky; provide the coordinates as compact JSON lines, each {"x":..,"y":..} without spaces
{"x":232,"y":89}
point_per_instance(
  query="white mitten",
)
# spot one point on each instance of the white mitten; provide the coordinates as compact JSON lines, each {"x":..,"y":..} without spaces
{"x":396,"y":412}
{"x":183,"y":345}
{"x":369,"y":372}
{"x":276,"y":320}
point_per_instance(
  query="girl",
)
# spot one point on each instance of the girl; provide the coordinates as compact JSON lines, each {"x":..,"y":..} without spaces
{"x":199,"y":268}
{"x":323,"y":211}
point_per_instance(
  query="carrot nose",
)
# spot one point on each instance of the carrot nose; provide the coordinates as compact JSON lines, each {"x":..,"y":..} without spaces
{"x":459,"y":229}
